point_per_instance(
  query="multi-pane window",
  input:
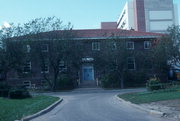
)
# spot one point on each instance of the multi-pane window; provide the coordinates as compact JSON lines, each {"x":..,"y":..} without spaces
{"x":1,"y":44}
{"x":131,"y":63}
{"x":114,"y":46}
{"x":27,"y":84}
{"x":45,"y":67}
{"x":62,"y":66}
{"x":130,"y":45}
{"x":147,"y":44}
{"x":44,"y":48}
{"x":27,"y":67}
{"x":96,"y":46}
{"x":28,"y":48}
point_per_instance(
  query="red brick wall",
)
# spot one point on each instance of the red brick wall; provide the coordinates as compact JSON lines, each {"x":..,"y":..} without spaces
{"x":140,"y":24}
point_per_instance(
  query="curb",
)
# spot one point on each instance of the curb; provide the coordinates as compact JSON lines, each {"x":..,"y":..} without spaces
{"x":153,"y":112}
{"x":42,"y":111}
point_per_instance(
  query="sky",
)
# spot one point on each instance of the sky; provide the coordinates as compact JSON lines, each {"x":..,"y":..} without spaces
{"x":83,"y":14}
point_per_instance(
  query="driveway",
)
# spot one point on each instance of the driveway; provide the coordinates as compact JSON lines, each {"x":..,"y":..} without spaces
{"x":95,"y":105}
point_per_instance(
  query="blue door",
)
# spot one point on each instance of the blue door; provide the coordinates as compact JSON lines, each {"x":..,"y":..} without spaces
{"x":88,"y":73}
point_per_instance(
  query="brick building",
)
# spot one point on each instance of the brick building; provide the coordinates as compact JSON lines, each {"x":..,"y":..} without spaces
{"x":93,"y":47}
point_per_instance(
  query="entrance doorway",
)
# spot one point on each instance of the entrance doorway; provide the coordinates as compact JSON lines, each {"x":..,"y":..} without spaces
{"x":88,"y":76}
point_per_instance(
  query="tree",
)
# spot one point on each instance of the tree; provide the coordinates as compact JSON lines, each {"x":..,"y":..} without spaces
{"x":166,"y":51}
{"x":37,"y":32}
{"x":60,"y":46}
{"x":11,"y":51}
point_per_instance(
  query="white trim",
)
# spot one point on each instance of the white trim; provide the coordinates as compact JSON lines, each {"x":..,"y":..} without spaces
{"x":134,"y":63}
{"x":147,"y":42}
{"x":27,"y":84}
{"x":96,"y":46}
{"x":46,"y":64}
{"x":29,"y":66}
{"x":114,"y":46}
{"x":130,"y":42}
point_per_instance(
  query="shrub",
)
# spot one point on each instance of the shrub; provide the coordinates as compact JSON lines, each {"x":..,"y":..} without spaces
{"x":153,"y":84}
{"x":4,"y":89}
{"x":135,"y":78}
{"x":110,"y":81}
{"x":19,"y":93}
{"x":65,"y":83}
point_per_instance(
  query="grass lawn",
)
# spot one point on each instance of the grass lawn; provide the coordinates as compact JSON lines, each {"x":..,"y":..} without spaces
{"x":12,"y":109}
{"x":139,"y":98}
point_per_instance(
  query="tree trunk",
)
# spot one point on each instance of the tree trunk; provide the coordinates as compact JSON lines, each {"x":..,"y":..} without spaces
{"x":122,"y":81}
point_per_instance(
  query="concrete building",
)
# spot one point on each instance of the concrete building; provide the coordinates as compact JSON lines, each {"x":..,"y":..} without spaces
{"x":108,"y":25}
{"x":148,"y":15}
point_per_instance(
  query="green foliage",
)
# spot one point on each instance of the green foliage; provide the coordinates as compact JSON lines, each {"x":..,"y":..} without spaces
{"x":65,"y":83}
{"x":110,"y":81}
{"x":135,"y":78}
{"x":153,"y":84}
{"x":4,"y":89}
{"x":19,"y":93}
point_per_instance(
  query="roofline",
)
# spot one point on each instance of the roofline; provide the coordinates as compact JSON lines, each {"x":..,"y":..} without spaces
{"x":102,"y":38}
{"x":124,"y":37}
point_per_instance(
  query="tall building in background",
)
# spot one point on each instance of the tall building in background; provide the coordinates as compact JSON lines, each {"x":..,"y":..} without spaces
{"x":148,"y":15}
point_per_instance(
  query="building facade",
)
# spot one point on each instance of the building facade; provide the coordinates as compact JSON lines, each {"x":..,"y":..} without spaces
{"x":148,"y":15}
{"x":91,"y":56}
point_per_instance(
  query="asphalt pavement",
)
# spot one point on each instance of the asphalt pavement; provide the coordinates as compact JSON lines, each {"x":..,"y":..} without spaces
{"x":95,"y":105}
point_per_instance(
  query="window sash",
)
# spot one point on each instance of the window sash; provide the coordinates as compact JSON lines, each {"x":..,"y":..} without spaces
{"x":28,"y":48}
{"x":147,"y":44}
{"x":27,"y":67}
{"x":130,"y":45}
{"x":45,"y":67}
{"x":96,"y":46}
{"x":62,"y":67}
{"x":114,"y":46}
{"x":131,"y":63}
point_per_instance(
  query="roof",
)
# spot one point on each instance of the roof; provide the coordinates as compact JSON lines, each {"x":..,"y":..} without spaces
{"x":91,"y":34}
{"x":113,"y":33}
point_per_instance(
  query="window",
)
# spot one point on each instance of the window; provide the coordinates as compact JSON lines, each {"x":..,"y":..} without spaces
{"x":96,"y":46}
{"x":131,"y":63}
{"x":1,"y":44}
{"x":44,"y":48}
{"x":147,"y":44}
{"x":130,"y":45}
{"x":28,"y":48}
{"x":27,"y":67}
{"x":114,"y":46}
{"x":45,"y":67}
{"x":27,"y":84}
{"x":62,"y":67}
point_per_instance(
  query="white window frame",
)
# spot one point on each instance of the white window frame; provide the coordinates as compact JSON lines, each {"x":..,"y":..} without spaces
{"x":25,"y":65}
{"x":27,"y":84}
{"x":130,"y":42}
{"x":1,"y":44}
{"x":44,"y":50}
{"x":62,"y":66}
{"x":28,"y":48}
{"x":46,"y":65}
{"x":134,"y":63}
{"x":96,"y":46}
{"x":114,"y":46}
{"x":148,"y":43}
